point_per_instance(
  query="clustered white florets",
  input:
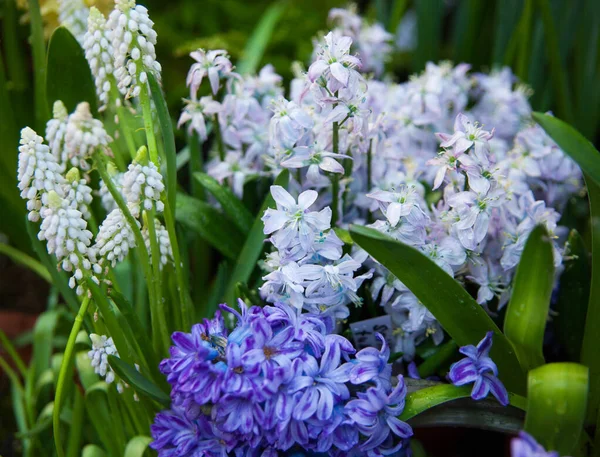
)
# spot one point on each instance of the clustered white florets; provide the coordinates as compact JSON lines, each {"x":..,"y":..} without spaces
{"x":56,"y":128}
{"x":73,"y":14}
{"x":83,"y":136}
{"x":133,"y":41}
{"x":115,"y":238}
{"x":164,"y":243}
{"x":142,"y":186}
{"x":99,"y":54}
{"x":78,"y":193}
{"x":106,"y":198}
{"x":102,"y":347}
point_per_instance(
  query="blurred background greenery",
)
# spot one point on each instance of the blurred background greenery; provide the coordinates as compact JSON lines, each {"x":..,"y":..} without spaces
{"x":552,"y":45}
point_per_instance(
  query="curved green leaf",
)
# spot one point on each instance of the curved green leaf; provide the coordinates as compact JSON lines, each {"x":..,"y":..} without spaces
{"x":572,"y":143}
{"x":253,"y":246}
{"x":210,"y":224}
{"x":258,"y":41}
{"x":460,"y":315}
{"x":69,"y":77}
{"x":573,"y":297}
{"x":23,"y":259}
{"x":38,"y":48}
{"x":232,"y":206}
{"x":139,"y":382}
{"x":556,"y":405}
{"x":96,"y":405}
{"x":137,"y":446}
{"x":166,"y":128}
{"x":91,"y":450}
{"x":432,"y":364}
{"x":527,"y":310}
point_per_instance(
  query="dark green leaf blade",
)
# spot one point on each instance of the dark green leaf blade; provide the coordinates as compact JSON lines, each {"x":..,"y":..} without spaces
{"x":253,"y":246}
{"x":258,"y":41}
{"x":69,"y":77}
{"x":140,"y":383}
{"x":210,"y":224}
{"x":573,"y":297}
{"x":557,"y":395}
{"x":572,"y":143}
{"x":232,"y":206}
{"x":166,"y":128}
{"x":527,"y":310}
{"x":460,"y":315}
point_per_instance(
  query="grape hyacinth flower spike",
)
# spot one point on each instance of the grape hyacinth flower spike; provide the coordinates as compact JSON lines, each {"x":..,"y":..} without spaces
{"x":479,"y":368}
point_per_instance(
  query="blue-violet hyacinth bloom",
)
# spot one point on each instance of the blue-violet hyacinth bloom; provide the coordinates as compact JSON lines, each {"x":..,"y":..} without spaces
{"x":525,"y":445}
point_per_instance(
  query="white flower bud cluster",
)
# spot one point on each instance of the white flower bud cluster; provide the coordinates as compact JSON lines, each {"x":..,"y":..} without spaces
{"x":38,"y":172}
{"x":65,"y":231}
{"x":55,"y":131}
{"x":133,"y":40}
{"x":102,"y":347}
{"x":99,"y":54}
{"x":142,"y":186}
{"x":73,"y":14}
{"x":115,"y":238}
{"x":164,"y":243}
{"x":78,"y":193}
{"x":83,"y":136}
{"x":106,"y":198}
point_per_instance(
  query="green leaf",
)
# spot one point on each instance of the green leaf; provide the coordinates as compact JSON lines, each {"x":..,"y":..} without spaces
{"x":573,"y":297}
{"x":87,"y":375}
{"x":166,"y":128}
{"x":69,"y":77}
{"x":38,"y":47}
{"x":210,"y":224}
{"x":139,"y":382}
{"x":424,"y":407}
{"x":258,"y":41}
{"x":28,"y":262}
{"x":557,"y":394}
{"x":99,"y":413}
{"x":253,"y":246}
{"x":572,"y":143}
{"x":91,"y":450}
{"x":232,"y":206}
{"x":137,"y":446}
{"x":461,"y":316}
{"x":432,"y":364}
{"x":429,"y":30}
{"x":527,"y":310}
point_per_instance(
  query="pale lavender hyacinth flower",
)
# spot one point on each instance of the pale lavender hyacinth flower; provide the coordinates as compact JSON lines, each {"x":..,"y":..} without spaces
{"x":525,"y":445}
{"x":479,"y":368}
{"x":212,"y":64}
{"x":333,"y":58}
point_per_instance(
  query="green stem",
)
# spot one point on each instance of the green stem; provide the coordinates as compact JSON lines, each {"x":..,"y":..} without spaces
{"x":187,"y":311}
{"x":38,"y":46}
{"x":220,"y":144}
{"x":335,"y":180}
{"x":62,"y":375}
{"x":157,"y":313}
{"x":148,"y":125}
{"x":23,"y":259}
{"x":12,"y":352}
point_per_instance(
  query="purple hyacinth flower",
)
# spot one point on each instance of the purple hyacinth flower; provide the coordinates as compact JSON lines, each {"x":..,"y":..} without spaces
{"x":479,"y":368}
{"x":525,"y":445}
{"x":375,"y":414}
{"x":372,"y":365}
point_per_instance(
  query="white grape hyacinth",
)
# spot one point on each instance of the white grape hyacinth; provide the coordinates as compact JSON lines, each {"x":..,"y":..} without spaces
{"x":115,"y":238}
{"x":84,"y":135}
{"x":78,"y":193}
{"x":73,"y":14}
{"x":102,"y":347}
{"x":55,"y":132}
{"x":164,"y":243}
{"x":100,"y":55}
{"x":142,"y":186}
{"x":106,"y":198}
{"x":67,"y":237}
{"x":133,"y":40}
{"x":38,"y":172}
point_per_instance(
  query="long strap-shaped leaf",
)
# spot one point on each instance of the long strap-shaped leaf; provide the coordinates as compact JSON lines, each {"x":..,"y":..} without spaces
{"x":557,"y":394}
{"x":587,"y":157}
{"x":527,"y":311}
{"x":460,"y":315}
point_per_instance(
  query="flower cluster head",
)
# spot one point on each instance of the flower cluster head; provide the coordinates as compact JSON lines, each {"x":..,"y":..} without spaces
{"x":73,"y":14}
{"x":99,"y":53}
{"x":309,"y":269}
{"x":133,"y":40}
{"x":163,"y":240}
{"x":525,"y":445}
{"x":214,"y":65}
{"x":277,"y":381}
{"x":142,"y":185}
{"x":479,"y":368}
{"x":115,"y":238}
{"x":102,"y":347}
{"x":83,"y":136}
